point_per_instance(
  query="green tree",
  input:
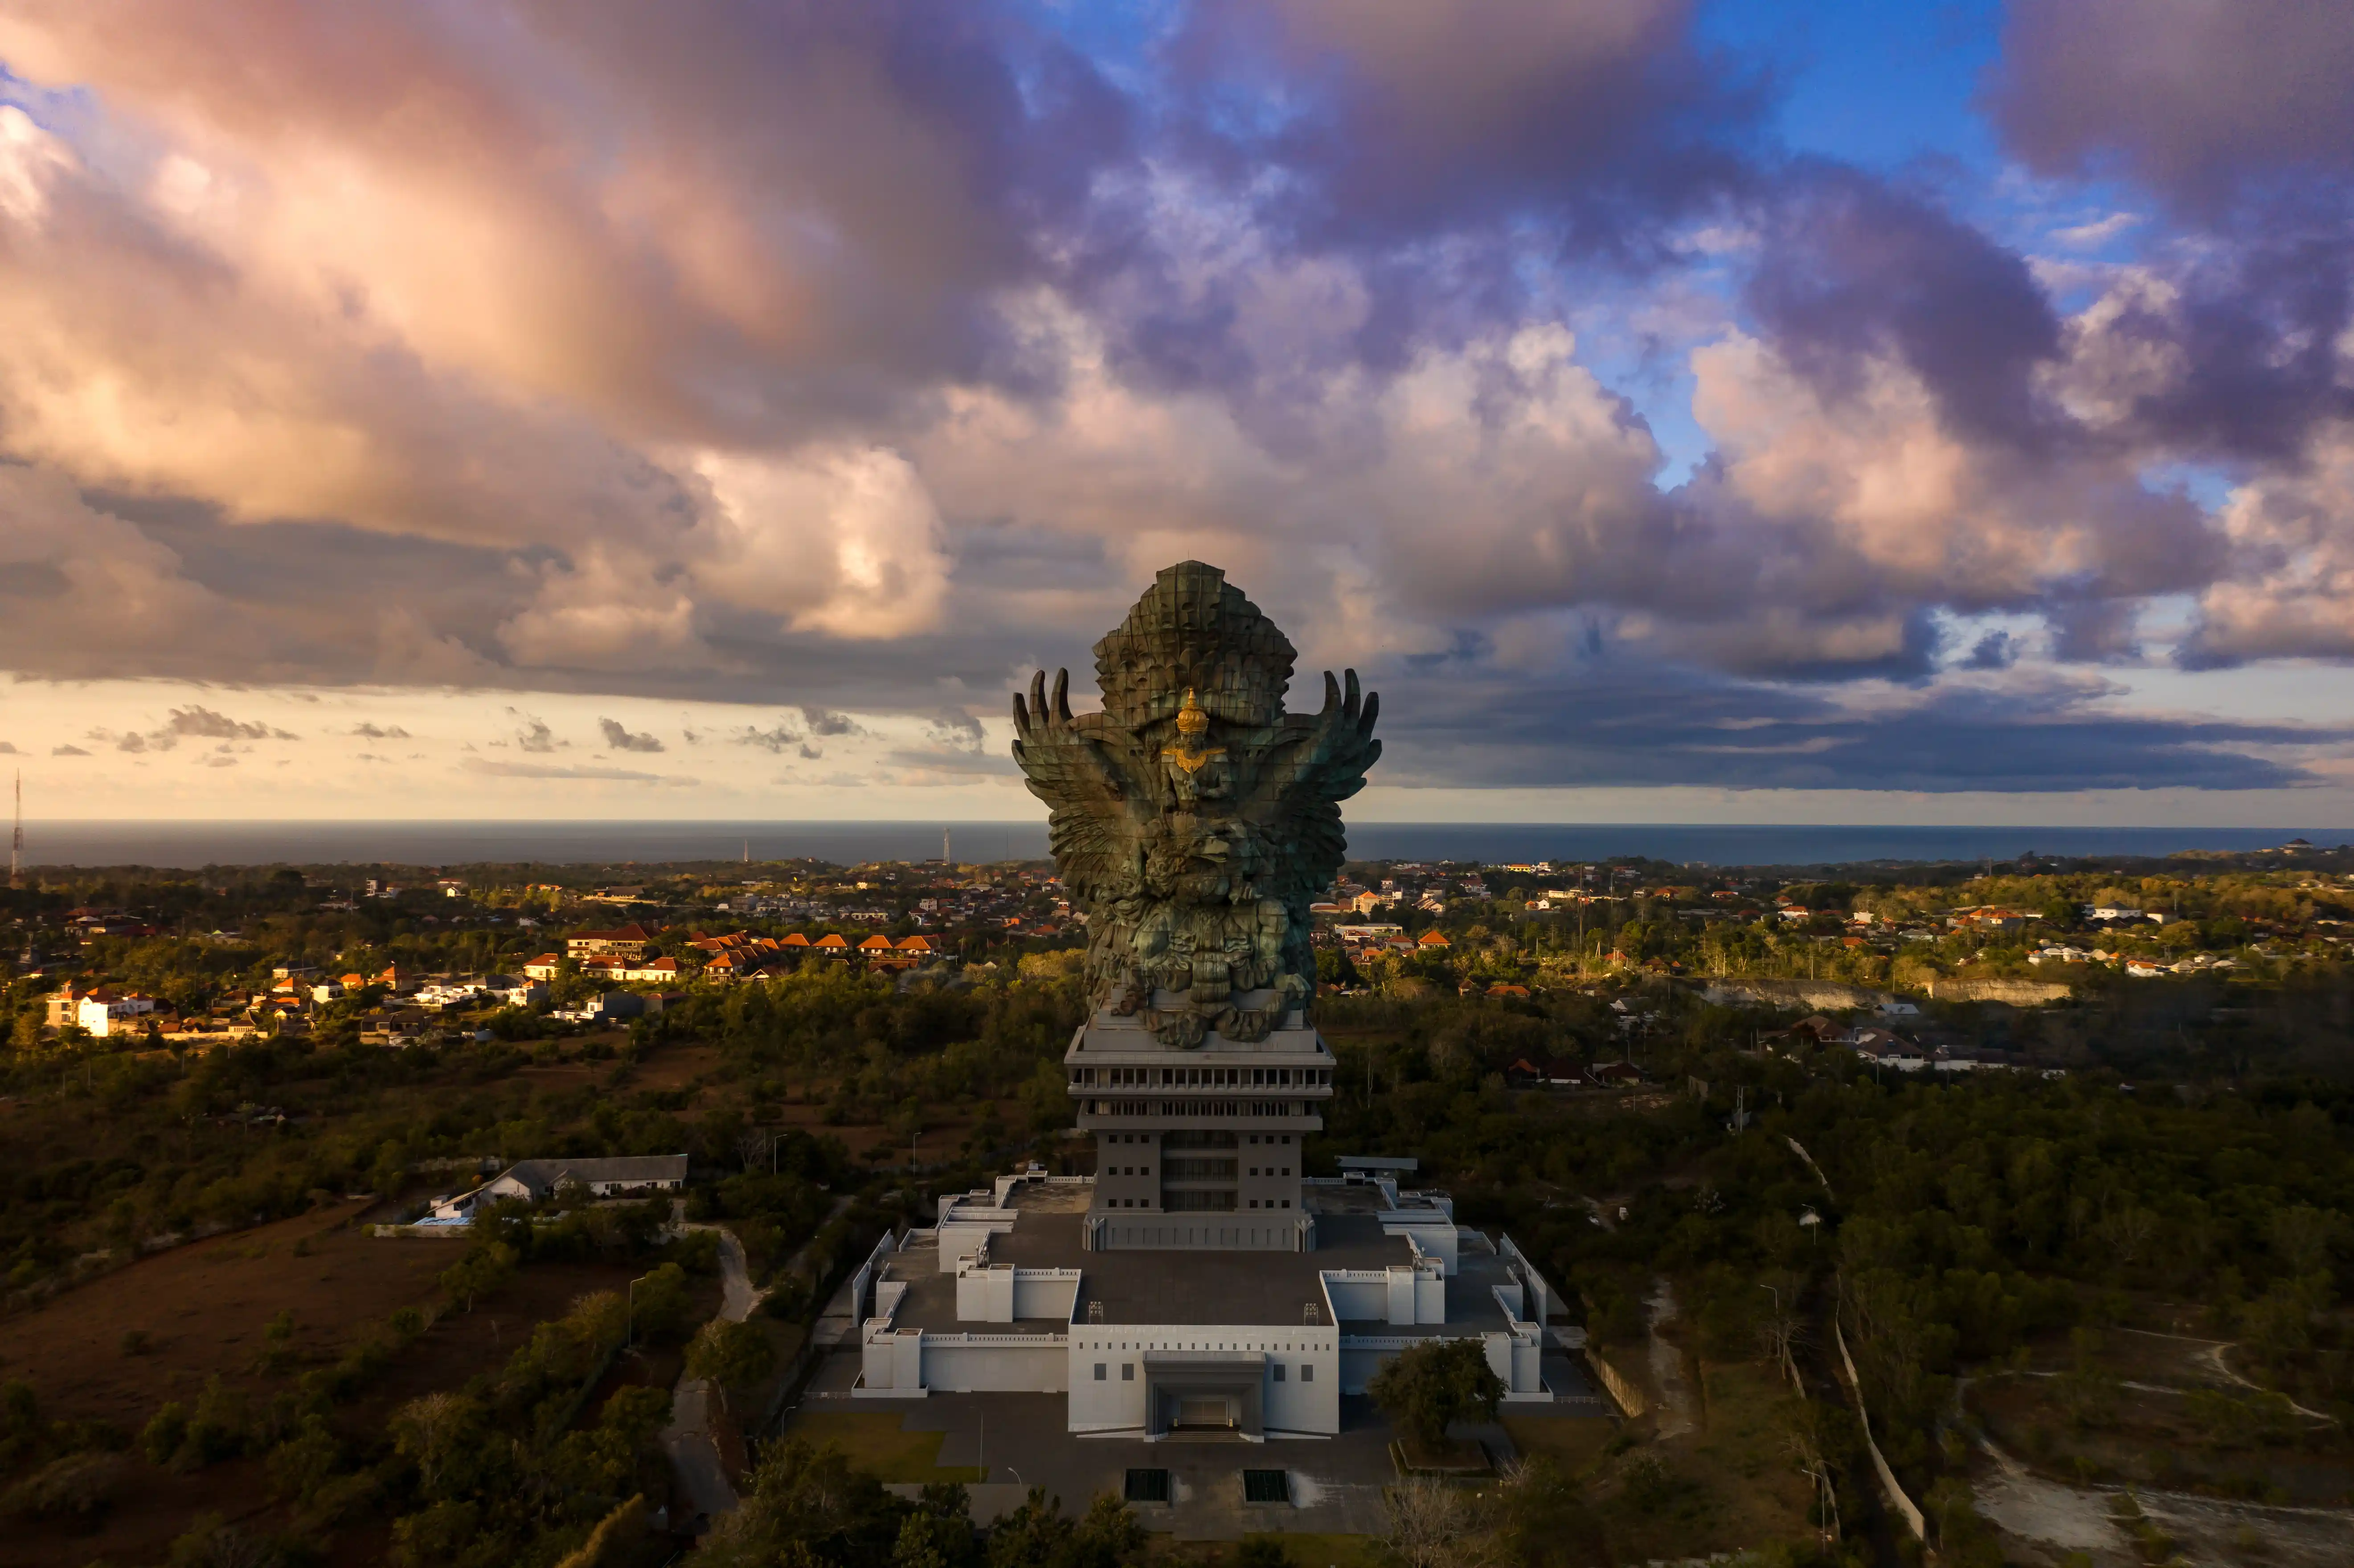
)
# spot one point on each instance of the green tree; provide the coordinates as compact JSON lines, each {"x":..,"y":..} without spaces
{"x":730,"y":1354}
{"x":484,"y":1271}
{"x":808,"y":1507}
{"x":1039,"y":1534}
{"x":659,"y":1304}
{"x":1435,"y":1384}
{"x":939,"y":1533}
{"x":433,"y":1431}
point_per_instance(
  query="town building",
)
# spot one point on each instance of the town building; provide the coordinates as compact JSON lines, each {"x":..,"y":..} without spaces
{"x":625,"y":942}
{"x":104,"y":1011}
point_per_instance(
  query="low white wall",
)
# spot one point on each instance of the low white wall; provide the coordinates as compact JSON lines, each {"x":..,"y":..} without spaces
{"x":1432,"y":1232}
{"x":1357,"y":1293}
{"x":1045,"y":1293}
{"x":1005,"y":1294}
{"x":892,"y":1361}
{"x":995,"y":1363}
{"x":1513,"y":1358}
{"x":1542,"y":1296}
{"x":984,"y":1295}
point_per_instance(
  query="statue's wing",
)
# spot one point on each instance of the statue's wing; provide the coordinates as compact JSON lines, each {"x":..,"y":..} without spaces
{"x":1326,"y":766}
{"x":1088,"y":773}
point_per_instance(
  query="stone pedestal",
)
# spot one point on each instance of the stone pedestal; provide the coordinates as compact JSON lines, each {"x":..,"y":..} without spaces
{"x":1198,"y":1148}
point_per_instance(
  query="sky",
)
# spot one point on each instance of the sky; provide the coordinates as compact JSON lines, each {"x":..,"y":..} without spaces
{"x":1680,"y":410}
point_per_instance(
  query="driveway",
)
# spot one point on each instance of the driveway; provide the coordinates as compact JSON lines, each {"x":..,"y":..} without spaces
{"x":693,"y":1452}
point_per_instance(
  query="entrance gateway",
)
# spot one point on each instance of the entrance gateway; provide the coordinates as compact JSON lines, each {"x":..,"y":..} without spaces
{"x":1199,"y":1414}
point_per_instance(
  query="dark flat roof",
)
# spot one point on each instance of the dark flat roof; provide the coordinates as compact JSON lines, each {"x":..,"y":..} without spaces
{"x":1192,"y":1286}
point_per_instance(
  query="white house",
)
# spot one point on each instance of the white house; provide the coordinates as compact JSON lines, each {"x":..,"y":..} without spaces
{"x":533,"y":1179}
{"x":102,"y":1009}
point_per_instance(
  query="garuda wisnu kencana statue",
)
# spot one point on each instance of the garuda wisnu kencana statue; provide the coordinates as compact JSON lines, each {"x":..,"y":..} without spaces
{"x":1193,"y":820}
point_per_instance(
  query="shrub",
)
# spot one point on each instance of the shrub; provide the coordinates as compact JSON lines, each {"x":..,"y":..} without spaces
{"x":76,"y":1487}
{"x":163,"y":1434}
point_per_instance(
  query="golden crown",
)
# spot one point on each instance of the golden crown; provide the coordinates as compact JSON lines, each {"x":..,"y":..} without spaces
{"x":1191,"y":717}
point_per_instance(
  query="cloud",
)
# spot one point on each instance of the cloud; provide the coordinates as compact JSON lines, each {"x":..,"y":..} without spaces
{"x":822,"y":721}
{"x":195,"y":722}
{"x":7,"y":749}
{"x":1385,"y":122}
{"x":1998,"y":650}
{"x":532,"y":734}
{"x":1628,"y":726}
{"x":958,"y":731}
{"x":502,"y":769}
{"x":76,"y":567}
{"x":68,"y":751}
{"x":776,"y":739}
{"x":619,"y":738}
{"x":377,"y":732}
{"x":2198,"y":101}
{"x":205,"y":723}
{"x":872,"y":352}
{"x":847,"y":543}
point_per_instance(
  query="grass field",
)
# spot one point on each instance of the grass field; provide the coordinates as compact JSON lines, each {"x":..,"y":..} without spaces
{"x":1575,"y":1446}
{"x":1727,"y":1486}
{"x":875,"y":1443}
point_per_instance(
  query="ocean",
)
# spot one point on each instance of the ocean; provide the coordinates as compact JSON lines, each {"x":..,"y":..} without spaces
{"x":423,"y":843}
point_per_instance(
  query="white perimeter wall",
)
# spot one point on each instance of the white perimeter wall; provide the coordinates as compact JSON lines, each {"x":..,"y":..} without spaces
{"x":1003,"y":1294}
{"x":1310,"y":1403}
{"x":995,"y":1363}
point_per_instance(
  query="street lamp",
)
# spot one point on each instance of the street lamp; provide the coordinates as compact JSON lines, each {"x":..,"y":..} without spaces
{"x":630,"y":1311}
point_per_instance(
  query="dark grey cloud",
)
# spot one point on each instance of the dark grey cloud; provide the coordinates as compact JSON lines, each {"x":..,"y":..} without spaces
{"x":2203,"y":102}
{"x":2252,"y":330}
{"x":958,"y":731}
{"x":824,"y":720}
{"x":971,"y":764}
{"x":202,"y":723}
{"x":1853,"y":268}
{"x":776,"y":738}
{"x":532,"y":734}
{"x":197,"y":723}
{"x":68,"y":751}
{"x":1384,"y":122}
{"x":7,"y":750}
{"x":377,"y":732}
{"x":1634,"y":726}
{"x":1996,"y":649}
{"x":618,"y":737}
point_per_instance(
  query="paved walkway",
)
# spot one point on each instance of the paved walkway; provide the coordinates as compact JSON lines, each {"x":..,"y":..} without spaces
{"x":694,"y":1451}
{"x":1668,"y":1364}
